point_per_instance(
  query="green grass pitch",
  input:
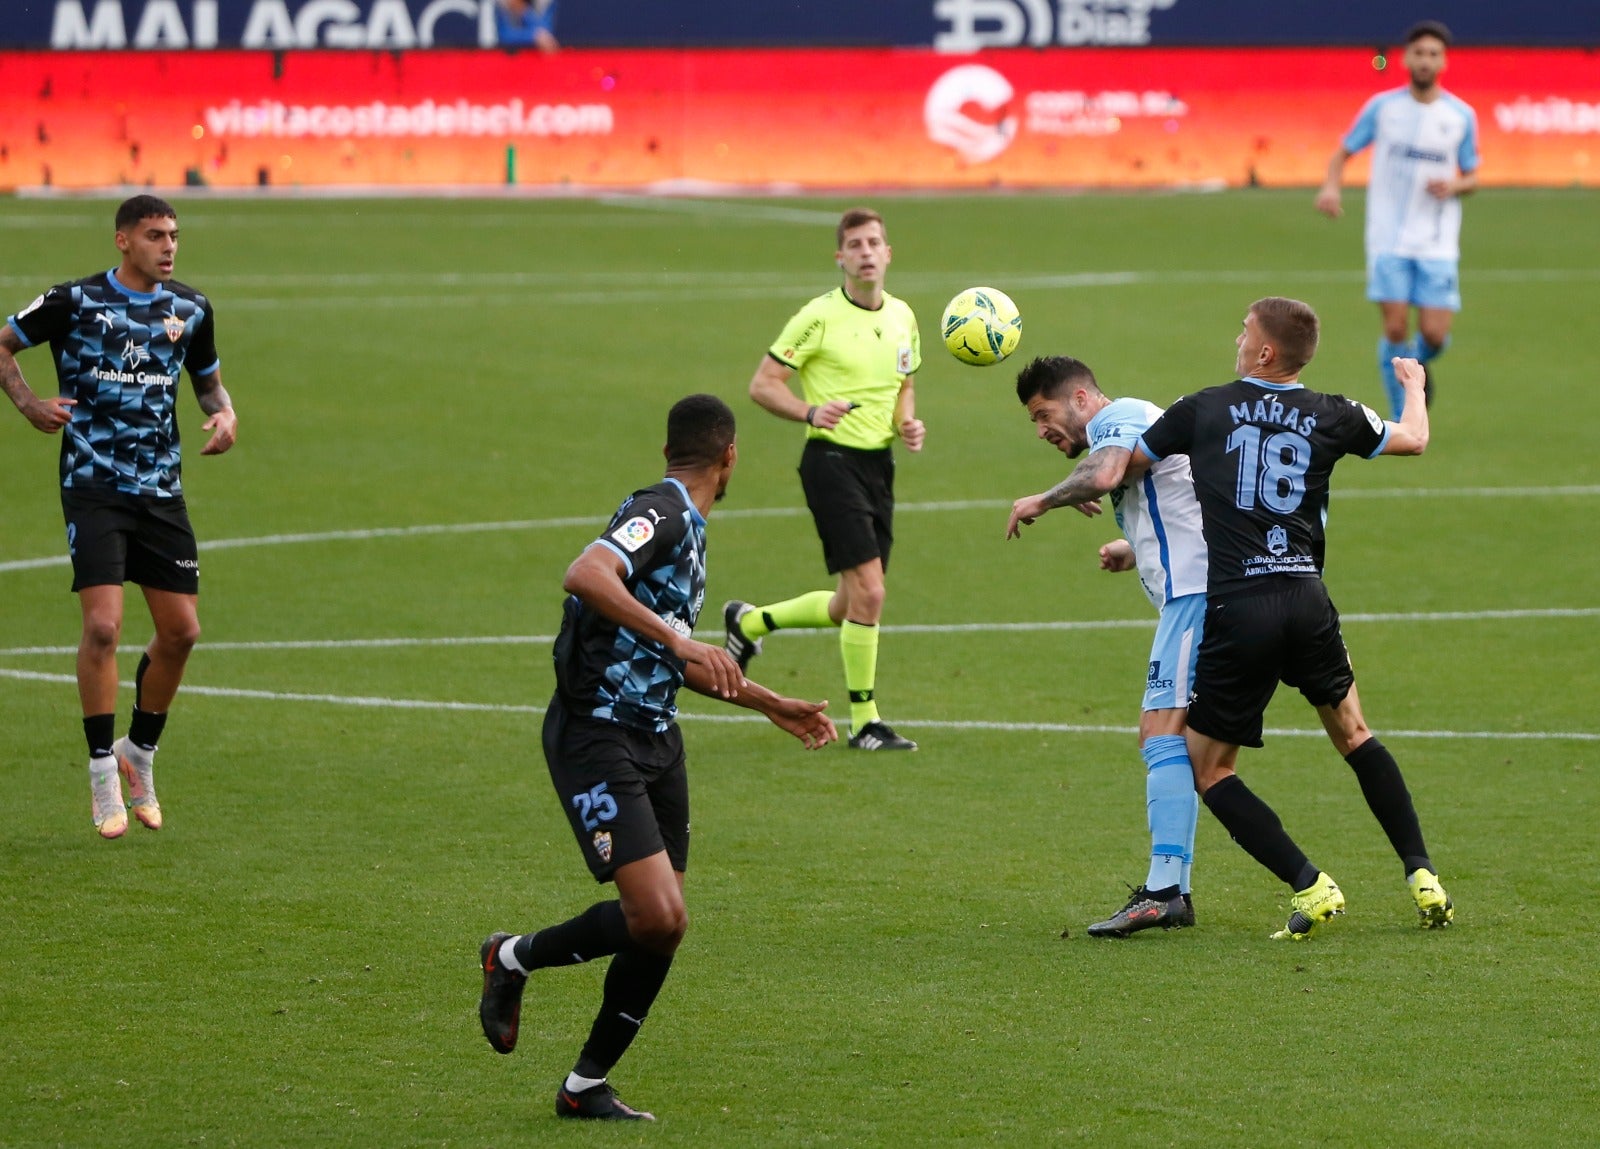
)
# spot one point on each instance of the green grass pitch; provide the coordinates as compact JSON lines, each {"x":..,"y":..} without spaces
{"x":440,"y":404}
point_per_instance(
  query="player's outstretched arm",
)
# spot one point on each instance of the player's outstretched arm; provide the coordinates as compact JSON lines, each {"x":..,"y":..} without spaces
{"x":1410,"y":435}
{"x":48,"y":415}
{"x":1101,"y":472}
{"x":596,"y":575}
{"x":215,"y":402}
{"x":805,"y":720}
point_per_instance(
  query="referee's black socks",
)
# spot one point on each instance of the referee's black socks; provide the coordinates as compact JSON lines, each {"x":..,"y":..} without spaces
{"x":1390,"y":802}
{"x":1252,"y":824}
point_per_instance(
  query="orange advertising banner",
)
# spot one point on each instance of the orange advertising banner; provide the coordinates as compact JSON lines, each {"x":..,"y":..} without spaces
{"x":770,"y":119}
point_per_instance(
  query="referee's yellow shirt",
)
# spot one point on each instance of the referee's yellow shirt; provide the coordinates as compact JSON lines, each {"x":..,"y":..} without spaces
{"x":843,"y":351}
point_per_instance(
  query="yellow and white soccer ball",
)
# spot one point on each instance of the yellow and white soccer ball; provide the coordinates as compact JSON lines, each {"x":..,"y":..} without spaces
{"x":981,"y":326}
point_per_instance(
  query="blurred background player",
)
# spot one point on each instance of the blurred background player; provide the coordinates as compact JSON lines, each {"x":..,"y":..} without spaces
{"x":1424,"y":159}
{"x":615,"y":753}
{"x":526,"y":24}
{"x":857,"y":352}
{"x":1261,"y":450}
{"x":1161,"y":519}
{"x":120,"y":340}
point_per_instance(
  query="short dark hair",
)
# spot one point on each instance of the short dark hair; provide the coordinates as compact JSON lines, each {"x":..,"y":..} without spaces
{"x":699,"y":429}
{"x":854,"y":218}
{"x":1047,"y":375}
{"x":1290,"y":326}
{"x":1432,"y":28}
{"x":143,"y":207}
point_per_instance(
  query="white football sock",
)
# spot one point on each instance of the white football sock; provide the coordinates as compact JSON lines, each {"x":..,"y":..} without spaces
{"x":508,"y":955}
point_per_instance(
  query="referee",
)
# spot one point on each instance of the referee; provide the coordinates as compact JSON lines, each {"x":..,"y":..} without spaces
{"x":856,"y":350}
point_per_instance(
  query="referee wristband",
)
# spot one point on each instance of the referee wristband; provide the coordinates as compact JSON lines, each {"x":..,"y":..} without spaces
{"x":810,"y":411}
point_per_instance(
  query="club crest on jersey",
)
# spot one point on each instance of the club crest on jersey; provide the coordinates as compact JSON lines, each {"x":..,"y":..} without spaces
{"x":634,"y":533}
{"x":174,"y":327}
{"x":602,"y":844}
{"x":1278,"y":540}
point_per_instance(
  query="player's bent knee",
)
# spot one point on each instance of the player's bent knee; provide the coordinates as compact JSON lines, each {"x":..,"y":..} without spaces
{"x":179,"y":639}
{"x":659,"y":928}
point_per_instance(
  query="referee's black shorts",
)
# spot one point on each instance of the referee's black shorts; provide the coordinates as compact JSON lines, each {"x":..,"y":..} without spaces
{"x":1287,"y":632}
{"x":114,"y":537}
{"x":851,"y":496}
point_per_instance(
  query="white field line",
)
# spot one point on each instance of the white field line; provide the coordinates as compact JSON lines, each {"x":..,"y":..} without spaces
{"x":435,"y":290}
{"x":595,"y":522}
{"x":382,"y":703}
{"x":1531,"y":614}
{"x":606,"y":282}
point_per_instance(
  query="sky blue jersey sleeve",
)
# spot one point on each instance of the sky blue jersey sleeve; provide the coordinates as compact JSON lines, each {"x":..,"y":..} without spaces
{"x":1118,"y":424}
{"x":1467,"y":153}
{"x":1365,"y":129}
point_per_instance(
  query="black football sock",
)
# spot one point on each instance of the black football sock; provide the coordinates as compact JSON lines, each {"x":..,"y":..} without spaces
{"x":101,"y":731}
{"x":1252,"y":824}
{"x":145,"y":729}
{"x":138,"y":680}
{"x":632,"y":983}
{"x":1390,"y":802}
{"x":598,"y":931}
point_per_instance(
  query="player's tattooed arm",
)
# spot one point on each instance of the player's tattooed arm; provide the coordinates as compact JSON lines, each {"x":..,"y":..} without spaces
{"x":1099,"y":473}
{"x":48,"y":415}
{"x":215,"y":401}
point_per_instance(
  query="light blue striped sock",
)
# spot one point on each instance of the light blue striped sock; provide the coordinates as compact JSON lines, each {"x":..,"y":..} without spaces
{"x":1172,"y":808}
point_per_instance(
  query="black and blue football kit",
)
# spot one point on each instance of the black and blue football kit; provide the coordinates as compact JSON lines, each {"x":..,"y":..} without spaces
{"x":1261,"y":455}
{"x":610,"y":736}
{"x":120,"y":354}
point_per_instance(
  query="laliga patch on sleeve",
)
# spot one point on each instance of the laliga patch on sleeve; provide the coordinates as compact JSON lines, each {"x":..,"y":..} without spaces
{"x":634,"y":533}
{"x":1372,"y":417}
{"x":903,"y":361}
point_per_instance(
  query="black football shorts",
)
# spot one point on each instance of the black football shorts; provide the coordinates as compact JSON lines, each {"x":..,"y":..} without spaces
{"x":851,"y":496}
{"x":625,"y":791}
{"x":1288,"y":632}
{"x":115,"y":538}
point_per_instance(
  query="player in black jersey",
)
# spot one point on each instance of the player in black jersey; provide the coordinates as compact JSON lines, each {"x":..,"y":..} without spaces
{"x":120,"y":341}
{"x":1262,"y":449}
{"x":616,"y":757}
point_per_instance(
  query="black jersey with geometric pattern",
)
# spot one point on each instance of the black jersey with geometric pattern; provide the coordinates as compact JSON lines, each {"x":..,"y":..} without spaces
{"x":120,"y":354}
{"x":607,"y":671}
{"x":1261,"y":455}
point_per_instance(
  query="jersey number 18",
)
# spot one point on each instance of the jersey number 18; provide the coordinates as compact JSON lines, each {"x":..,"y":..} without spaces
{"x":1274,"y":469}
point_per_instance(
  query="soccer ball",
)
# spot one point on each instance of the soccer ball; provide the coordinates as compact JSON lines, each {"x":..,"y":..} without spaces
{"x":982,"y":326}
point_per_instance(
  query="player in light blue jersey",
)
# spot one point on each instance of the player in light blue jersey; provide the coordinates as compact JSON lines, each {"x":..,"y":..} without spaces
{"x":1424,"y":159}
{"x":1160,"y":516}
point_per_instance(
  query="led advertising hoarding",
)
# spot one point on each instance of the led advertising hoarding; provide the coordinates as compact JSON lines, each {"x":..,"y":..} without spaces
{"x":771,"y":119}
